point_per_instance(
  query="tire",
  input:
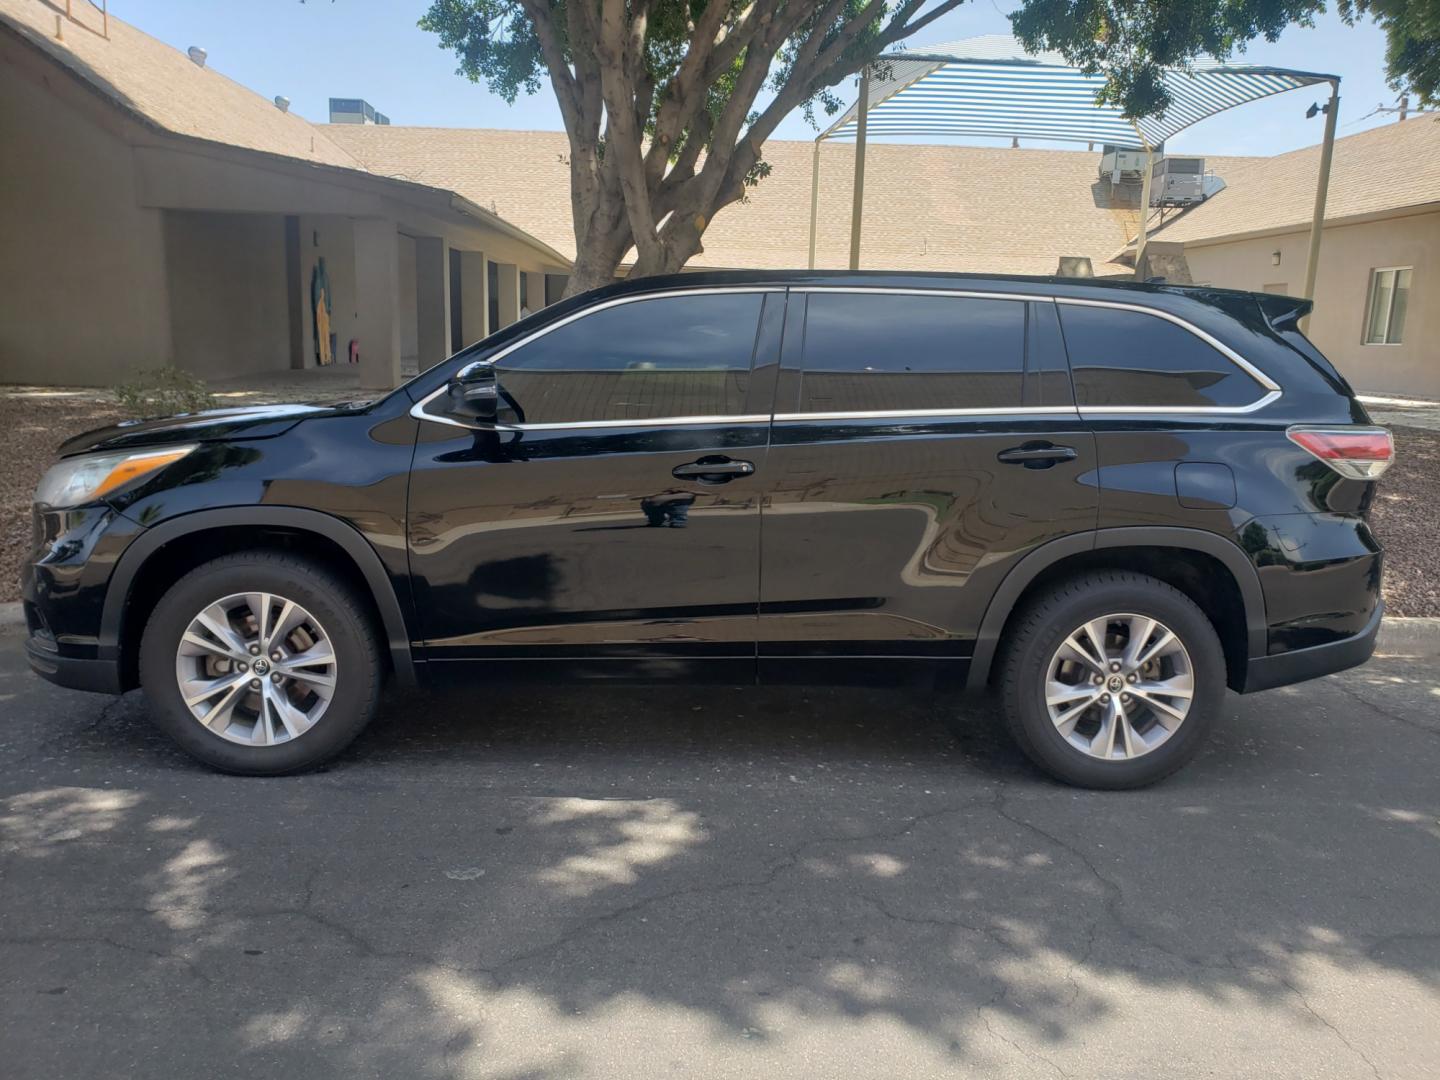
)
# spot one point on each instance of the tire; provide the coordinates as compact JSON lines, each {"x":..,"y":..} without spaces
{"x":289,"y":697}
{"x":1037,"y":662}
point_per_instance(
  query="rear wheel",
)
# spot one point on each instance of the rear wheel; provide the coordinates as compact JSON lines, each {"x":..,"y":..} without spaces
{"x":260,"y":663}
{"x":1112,"y":680}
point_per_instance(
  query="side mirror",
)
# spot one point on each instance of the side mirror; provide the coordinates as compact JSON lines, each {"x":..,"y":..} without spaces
{"x":474,"y":394}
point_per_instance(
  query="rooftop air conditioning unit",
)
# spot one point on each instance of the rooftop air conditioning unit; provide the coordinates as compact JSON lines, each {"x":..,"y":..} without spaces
{"x":1182,"y":181}
{"x":355,"y":111}
{"x":1122,"y":165}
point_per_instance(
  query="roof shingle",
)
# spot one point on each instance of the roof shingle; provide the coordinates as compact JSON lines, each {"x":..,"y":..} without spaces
{"x":164,"y":87}
{"x":1383,"y":169}
{"x":956,"y":208}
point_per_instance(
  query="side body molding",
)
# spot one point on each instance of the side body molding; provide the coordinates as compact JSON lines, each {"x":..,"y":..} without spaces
{"x":987,"y":641}
{"x":332,"y":528}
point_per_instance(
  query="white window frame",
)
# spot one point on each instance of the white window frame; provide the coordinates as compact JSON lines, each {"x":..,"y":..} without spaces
{"x":1375,"y":273}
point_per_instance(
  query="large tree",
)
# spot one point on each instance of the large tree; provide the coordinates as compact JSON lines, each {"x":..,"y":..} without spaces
{"x":661,"y":98}
{"x":668,"y":103}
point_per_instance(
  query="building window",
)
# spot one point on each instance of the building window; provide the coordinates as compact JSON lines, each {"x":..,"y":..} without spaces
{"x":1389,"y":298}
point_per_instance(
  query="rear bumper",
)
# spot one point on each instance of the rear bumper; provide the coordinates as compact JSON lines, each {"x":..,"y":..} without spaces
{"x":1298,"y":665}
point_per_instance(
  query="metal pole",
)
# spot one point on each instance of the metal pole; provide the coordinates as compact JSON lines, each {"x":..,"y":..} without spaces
{"x":857,"y":207}
{"x":1144,"y":204}
{"x":814,"y":198}
{"x":1322,"y":185}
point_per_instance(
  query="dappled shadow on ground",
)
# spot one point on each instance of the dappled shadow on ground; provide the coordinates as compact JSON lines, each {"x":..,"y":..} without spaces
{"x":620,"y":882}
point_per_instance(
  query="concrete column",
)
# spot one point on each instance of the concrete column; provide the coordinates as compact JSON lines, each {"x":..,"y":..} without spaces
{"x":377,"y":302}
{"x":535,"y":289}
{"x":474,"y":296}
{"x":509,"y":275}
{"x":432,"y":299}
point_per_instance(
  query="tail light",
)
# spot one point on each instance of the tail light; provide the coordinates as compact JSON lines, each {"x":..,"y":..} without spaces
{"x":1356,"y":452}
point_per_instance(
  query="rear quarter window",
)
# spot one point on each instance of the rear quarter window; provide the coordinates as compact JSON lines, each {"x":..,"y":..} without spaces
{"x":1121,"y":358}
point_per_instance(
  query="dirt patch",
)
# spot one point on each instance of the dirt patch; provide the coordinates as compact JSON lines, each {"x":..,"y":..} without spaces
{"x":1405,"y":519}
{"x":1406,"y":513}
{"x":31,"y":427}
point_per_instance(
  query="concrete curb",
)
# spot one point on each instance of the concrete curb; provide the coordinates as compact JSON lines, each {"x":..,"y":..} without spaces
{"x":1417,"y":636}
{"x":12,"y":618}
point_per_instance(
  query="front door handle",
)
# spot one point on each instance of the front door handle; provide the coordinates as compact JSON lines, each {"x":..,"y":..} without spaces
{"x":713,"y":470}
{"x":1036,"y":455}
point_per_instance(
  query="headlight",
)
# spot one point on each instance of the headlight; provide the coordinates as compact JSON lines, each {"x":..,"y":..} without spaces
{"x":91,"y":476}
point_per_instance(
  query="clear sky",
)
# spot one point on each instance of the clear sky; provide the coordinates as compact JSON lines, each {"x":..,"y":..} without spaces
{"x":372,"y":49}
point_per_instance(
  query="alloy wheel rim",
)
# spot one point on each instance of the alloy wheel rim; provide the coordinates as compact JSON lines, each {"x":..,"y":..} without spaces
{"x":1119,"y":686}
{"x":256,"y":669}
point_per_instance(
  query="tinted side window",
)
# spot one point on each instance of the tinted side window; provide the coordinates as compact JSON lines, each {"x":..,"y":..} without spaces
{"x":1131,"y":358}
{"x":644,"y":360}
{"x":869,"y":352}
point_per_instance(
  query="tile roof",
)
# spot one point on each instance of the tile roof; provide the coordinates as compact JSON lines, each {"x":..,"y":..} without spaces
{"x":163,"y":86}
{"x":1386,"y":168}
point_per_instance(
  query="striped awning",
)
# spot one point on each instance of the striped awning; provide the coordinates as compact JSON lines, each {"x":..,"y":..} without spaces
{"x":989,"y":86}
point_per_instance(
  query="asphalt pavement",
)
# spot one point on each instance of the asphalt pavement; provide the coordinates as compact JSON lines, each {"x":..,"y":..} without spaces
{"x":684,"y":882}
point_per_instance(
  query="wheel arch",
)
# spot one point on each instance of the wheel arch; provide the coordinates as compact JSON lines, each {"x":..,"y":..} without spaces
{"x":1242,"y":634}
{"x":117,"y":643}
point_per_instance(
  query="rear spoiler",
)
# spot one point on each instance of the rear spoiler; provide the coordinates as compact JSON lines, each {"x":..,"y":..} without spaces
{"x":1283,"y":312}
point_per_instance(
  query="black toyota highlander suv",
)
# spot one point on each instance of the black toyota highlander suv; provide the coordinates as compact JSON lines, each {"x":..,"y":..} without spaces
{"x":1104,"y":502}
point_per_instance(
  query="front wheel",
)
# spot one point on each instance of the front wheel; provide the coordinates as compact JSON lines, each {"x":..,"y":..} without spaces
{"x":260,"y":663}
{"x":1112,"y":680}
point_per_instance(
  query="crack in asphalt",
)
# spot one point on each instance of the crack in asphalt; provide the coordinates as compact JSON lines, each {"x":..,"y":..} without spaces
{"x":46,"y":940}
{"x":1112,"y":909}
{"x":788,"y":861}
{"x":1383,"y":710}
{"x":102,"y":716}
{"x":1327,"y":1024}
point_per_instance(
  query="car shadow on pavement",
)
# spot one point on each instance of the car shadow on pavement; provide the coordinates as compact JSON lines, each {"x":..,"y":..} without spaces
{"x":615,"y":881}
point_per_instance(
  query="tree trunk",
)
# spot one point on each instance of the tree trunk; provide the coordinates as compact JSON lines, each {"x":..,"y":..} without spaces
{"x":596,"y":266}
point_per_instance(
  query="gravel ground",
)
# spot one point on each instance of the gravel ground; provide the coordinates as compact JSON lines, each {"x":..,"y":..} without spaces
{"x":1405,"y":516}
{"x":33,"y":424}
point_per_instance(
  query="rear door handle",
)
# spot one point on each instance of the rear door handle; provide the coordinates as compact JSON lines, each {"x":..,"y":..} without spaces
{"x":1036,"y":455}
{"x":713,"y":470}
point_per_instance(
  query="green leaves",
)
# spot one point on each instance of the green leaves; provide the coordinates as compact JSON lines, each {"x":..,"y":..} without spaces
{"x":1130,"y":42}
{"x":1412,"y":30}
{"x":494,"y":40}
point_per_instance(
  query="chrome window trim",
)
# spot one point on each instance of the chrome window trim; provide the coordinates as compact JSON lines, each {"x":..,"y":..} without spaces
{"x":1216,"y":344}
{"x":418,"y":409}
{"x":1182,"y":410}
{"x":968,"y":294}
{"x":905,"y":414}
{"x":658,"y":421}
{"x":1272,"y":388}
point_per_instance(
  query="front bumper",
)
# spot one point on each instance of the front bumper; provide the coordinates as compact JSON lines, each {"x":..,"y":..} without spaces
{"x":1298,"y":665}
{"x":63,"y":589}
{"x":98,"y":676}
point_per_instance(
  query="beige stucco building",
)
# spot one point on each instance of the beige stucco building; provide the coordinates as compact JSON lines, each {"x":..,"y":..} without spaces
{"x":1382,"y":227}
{"x":153,"y":211}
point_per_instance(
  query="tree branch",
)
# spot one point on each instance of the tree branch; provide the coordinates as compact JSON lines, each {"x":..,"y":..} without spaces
{"x":566,"y":91}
